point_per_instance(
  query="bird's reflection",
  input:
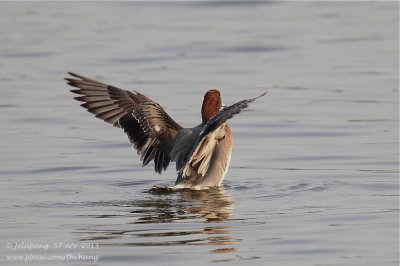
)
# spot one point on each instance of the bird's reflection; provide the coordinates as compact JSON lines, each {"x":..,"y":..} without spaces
{"x":201,"y":217}
{"x":213,"y":205}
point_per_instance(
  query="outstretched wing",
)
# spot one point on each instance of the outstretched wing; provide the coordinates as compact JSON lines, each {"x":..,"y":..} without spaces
{"x":225,"y":114}
{"x":149,"y":128}
{"x":211,"y":132}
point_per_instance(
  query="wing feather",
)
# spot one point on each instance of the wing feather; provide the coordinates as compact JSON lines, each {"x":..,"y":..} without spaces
{"x":149,"y":128}
{"x":225,"y":114}
{"x":200,"y":159}
{"x":214,"y":129}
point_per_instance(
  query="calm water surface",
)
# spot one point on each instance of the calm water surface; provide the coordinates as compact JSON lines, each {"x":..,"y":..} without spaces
{"x":314,"y":172}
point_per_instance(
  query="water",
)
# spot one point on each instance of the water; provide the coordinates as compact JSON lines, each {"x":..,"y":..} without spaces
{"x":314,"y":172}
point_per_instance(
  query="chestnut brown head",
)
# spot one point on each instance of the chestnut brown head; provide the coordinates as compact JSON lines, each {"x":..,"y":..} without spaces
{"x":211,"y":104}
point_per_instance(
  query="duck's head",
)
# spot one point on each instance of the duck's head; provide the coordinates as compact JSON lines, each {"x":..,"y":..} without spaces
{"x":211,"y":104}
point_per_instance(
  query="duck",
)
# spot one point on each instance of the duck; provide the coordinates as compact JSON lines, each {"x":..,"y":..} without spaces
{"x":202,"y":154}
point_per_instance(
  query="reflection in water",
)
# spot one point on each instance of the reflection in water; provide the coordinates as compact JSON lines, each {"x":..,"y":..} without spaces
{"x":213,"y":205}
{"x":198,"y":218}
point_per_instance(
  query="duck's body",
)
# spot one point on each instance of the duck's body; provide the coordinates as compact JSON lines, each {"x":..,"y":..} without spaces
{"x":202,"y":154}
{"x":209,"y":162}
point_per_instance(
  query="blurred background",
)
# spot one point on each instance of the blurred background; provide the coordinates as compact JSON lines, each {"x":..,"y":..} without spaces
{"x":314,"y":171}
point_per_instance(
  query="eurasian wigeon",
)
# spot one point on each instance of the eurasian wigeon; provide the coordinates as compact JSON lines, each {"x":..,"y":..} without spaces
{"x":202,"y":154}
